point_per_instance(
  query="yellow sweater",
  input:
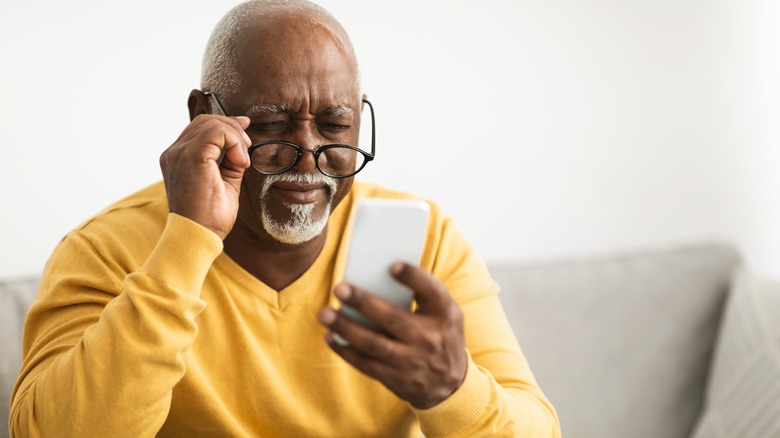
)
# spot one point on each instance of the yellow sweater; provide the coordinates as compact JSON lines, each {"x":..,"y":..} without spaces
{"x":143,"y":326}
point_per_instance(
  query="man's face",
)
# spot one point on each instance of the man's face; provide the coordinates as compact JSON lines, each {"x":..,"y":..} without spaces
{"x":300,"y":85}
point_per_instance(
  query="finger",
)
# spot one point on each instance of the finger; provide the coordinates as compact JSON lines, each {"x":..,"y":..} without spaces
{"x":192,"y":129}
{"x":207,"y":122}
{"x":235,"y":150}
{"x":410,"y":380}
{"x":372,"y":367}
{"x":346,"y":332}
{"x":224,"y":135}
{"x":396,"y":321}
{"x":204,"y":122}
{"x":243,"y":124}
{"x":430,"y":294}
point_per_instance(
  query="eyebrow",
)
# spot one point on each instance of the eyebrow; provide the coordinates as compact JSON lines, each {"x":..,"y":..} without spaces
{"x":337,"y":111}
{"x":268,"y":108}
{"x":271,"y":108}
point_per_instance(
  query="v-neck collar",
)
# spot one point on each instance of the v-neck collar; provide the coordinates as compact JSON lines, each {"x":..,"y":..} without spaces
{"x":326,"y":269}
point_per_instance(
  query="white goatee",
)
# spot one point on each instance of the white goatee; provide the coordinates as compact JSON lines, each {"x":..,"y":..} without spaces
{"x":302,"y":227}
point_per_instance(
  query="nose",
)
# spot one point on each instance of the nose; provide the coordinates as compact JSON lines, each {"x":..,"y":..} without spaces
{"x":307,"y":163}
{"x":305,"y":136}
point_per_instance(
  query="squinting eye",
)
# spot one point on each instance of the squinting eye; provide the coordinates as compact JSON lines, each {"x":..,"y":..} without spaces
{"x":334,"y":127}
{"x":275,"y":126}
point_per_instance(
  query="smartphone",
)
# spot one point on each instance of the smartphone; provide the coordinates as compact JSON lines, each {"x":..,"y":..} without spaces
{"x":384,"y":231}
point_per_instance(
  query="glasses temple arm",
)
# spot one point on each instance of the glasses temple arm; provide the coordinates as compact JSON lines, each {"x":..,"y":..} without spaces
{"x":219,"y":104}
{"x":373,"y":127}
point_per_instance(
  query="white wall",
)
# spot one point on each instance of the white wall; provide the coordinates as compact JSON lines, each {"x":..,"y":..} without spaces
{"x":546,"y":127}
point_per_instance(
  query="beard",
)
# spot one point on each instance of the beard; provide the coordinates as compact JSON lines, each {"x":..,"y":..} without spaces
{"x":302,"y":225}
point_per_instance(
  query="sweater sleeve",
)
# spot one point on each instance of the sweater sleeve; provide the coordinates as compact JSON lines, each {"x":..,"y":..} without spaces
{"x":498,"y":398}
{"x":103,"y":351}
{"x":499,"y":395}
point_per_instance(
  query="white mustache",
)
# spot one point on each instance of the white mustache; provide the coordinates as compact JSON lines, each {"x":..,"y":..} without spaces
{"x":298,"y":177}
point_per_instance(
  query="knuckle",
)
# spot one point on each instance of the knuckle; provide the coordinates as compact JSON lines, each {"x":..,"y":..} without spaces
{"x":440,"y":368}
{"x":455,"y":314}
{"x":338,"y":324}
{"x":357,"y":298}
{"x":236,"y":124}
{"x":200,"y":118}
{"x":440,"y":289}
{"x":431,"y":342}
{"x":394,"y":322}
{"x":209,"y":130}
{"x":378,"y":346}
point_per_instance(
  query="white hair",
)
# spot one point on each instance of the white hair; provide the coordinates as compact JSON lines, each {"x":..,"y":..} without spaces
{"x":220,"y":62}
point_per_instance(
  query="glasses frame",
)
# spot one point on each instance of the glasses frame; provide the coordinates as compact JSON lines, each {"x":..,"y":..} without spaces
{"x":369,"y":156}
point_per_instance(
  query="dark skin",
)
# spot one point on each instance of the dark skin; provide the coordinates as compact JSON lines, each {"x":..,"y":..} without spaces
{"x":302,"y":60}
{"x":274,"y":263}
{"x":279,"y":77}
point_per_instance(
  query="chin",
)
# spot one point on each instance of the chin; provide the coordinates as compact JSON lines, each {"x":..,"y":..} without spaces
{"x":302,"y":224}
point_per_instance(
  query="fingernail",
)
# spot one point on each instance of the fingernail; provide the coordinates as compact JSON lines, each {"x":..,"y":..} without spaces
{"x":397,"y":268}
{"x":339,"y":340}
{"x":327,"y":316}
{"x":343,"y":292}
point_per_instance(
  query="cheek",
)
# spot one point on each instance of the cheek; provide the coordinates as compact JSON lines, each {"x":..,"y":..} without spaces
{"x":343,"y":186}
{"x":251,"y":187}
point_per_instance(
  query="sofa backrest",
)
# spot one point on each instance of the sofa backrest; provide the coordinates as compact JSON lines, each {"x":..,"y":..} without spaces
{"x":16,"y":295}
{"x":621,"y":344}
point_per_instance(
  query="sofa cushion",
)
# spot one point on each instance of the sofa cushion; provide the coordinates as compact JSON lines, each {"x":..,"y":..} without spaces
{"x":15,"y":298}
{"x":743,"y":393}
{"x":621,"y":343}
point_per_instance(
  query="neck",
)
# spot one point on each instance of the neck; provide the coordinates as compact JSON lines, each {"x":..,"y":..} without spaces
{"x":274,"y":263}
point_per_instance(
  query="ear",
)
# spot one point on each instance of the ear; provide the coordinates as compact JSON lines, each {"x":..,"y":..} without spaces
{"x":198,"y":104}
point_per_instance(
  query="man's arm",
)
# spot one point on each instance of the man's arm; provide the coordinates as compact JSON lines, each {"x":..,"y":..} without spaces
{"x":103,"y":348}
{"x":458,"y":364}
{"x":101,"y":353}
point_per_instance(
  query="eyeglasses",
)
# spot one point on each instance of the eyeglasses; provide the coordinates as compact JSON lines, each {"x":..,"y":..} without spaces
{"x":334,"y":160}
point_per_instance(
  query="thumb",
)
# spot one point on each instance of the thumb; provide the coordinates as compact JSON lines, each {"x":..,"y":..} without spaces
{"x":430,"y":294}
{"x":243,"y":121}
{"x":236,"y":156}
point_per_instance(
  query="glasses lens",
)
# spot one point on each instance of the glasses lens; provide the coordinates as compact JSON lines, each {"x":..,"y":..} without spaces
{"x":274,"y":157}
{"x":339,"y":160}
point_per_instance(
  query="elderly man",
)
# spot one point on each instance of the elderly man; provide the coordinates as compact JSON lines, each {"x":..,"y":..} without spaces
{"x":206,"y":305}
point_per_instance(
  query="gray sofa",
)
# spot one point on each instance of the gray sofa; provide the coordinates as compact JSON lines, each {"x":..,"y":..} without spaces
{"x":623,"y":344}
{"x":16,"y":295}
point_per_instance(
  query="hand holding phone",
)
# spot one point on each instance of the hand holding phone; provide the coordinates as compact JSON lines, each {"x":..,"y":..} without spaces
{"x":385,"y":231}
